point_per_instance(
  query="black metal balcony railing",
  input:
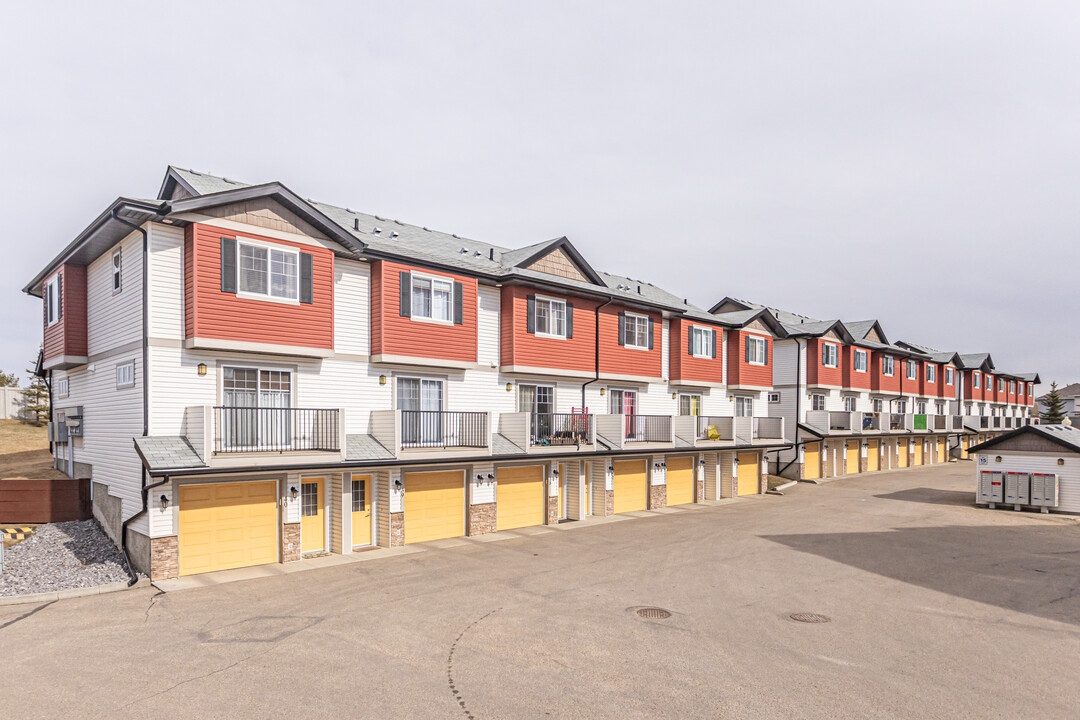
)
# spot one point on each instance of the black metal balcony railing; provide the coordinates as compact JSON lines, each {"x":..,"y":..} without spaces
{"x":560,"y":429}
{"x":997,"y":421}
{"x":260,"y":429}
{"x":444,"y":429}
{"x":648,"y":428}
{"x":984,"y":423}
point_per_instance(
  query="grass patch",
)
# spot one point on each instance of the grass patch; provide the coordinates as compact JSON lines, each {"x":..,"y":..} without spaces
{"x":24,"y":452}
{"x":18,"y":437}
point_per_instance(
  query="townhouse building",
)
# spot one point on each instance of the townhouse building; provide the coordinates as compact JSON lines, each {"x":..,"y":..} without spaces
{"x":249,"y":377}
{"x":859,"y":403}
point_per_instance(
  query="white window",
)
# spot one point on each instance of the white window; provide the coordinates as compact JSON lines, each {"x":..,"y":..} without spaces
{"x":1012,"y":386}
{"x":940,"y":408}
{"x":433,"y":298}
{"x":901,"y":407}
{"x":860,"y":360}
{"x":62,"y":387}
{"x":888,"y":365}
{"x":550,"y":317}
{"x":116,"y":276}
{"x":268,"y":272}
{"x":949,"y":374}
{"x":623,"y":402}
{"x":125,"y":375}
{"x":878,"y":405}
{"x":830,"y":355}
{"x":689,"y":404}
{"x":774,"y":397}
{"x":849,"y":403}
{"x":744,"y":406}
{"x":975,"y":380}
{"x":636,"y":330}
{"x":1031,"y":388}
{"x":817,"y":401}
{"x":755,"y":350}
{"x":921,"y":408}
{"x":912,"y":370}
{"x":702,"y":343}
{"x":931,"y":373}
{"x":536,"y":399}
{"x":52,"y":300}
{"x":421,"y":400}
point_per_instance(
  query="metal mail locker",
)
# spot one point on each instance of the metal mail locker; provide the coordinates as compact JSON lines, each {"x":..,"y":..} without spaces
{"x":991,"y":488}
{"x":1023,"y":489}
{"x":1044,"y":490}
{"x":1010,"y":487}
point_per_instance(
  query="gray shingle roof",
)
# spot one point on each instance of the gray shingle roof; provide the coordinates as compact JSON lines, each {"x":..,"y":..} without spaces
{"x":974,"y":360}
{"x":204,"y":184}
{"x":365,"y":447}
{"x":1065,"y":435}
{"x":167,"y":452}
{"x":859,"y":328}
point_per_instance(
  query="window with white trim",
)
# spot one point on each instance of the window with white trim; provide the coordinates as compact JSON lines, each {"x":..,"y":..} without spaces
{"x":637,"y":331}
{"x":52,"y":300}
{"x":859,"y":360}
{"x":689,"y":404}
{"x":931,"y":373}
{"x":550,"y":317}
{"x":912,"y":370}
{"x":920,"y":409}
{"x":125,"y":375}
{"x":975,"y":380}
{"x":359,"y":495}
{"x":817,"y":401}
{"x":62,"y":387}
{"x":901,"y":407}
{"x":755,"y":350}
{"x":432,"y":298}
{"x":939,"y":407}
{"x":830,"y":355}
{"x":744,"y":406}
{"x":774,"y":397}
{"x":1031,"y":388}
{"x":117,"y":261}
{"x":702,"y":346}
{"x":949,"y":375}
{"x":878,"y":404}
{"x":1012,"y":386}
{"x":850,"y":402}
{"x":1001,"y":384}
{"x":271,"y":272}
{"x":888,"y":365}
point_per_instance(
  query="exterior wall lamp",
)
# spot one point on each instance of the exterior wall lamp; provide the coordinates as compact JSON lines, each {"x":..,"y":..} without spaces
{"x":603,"y":391}
{"x":509,"y":387}
{"x":293,"y":492}
{"x":201,"y":369}
{"x":382,"y":379}
{"x":164,"y":499}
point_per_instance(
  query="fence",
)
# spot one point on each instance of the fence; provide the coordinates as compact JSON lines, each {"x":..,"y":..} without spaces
{"x":44,"y":501}
{"x":11,"y":403}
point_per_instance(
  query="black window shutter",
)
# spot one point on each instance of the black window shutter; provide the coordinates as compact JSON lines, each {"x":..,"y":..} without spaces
{"x":650,"y":334}
{"x":305,"y":278}
{"x":765,"y":342}
{"x":713,"y":355}
{"x":622,"y":328}
{"x":406,"y":294}
{"x":569,"y":320}
{"x":747,"y":349}
{"x":228,"y":265}
{"x":690,"y":341}
{"x":530,"y":314}
{"x":824,"y":349}
{"x":59,"y":296}
{"x":459,"y":304}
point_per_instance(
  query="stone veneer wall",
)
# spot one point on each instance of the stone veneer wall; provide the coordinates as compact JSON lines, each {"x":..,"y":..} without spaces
{"x":397,"y":529}
{"x":609,"y":502}
{"x":290,"y":542}
{"x":657,"y":496}
{"x":481,"y":519}
{"x":164,"y":558}
{"x":552,"y":510}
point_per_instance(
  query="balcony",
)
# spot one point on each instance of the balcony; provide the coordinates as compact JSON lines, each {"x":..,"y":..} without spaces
{"x":767,"y":428}
{"x":560,"y":429}
{"x":444,"y":429}
{"x":623,"y":430}
{"x":1008,"y":421}
{"x":920,"y":422}
{"x":280,"y":430}
{"x":900,"y":422}
{"x":996,"y":422}
{"x":710,"y":428}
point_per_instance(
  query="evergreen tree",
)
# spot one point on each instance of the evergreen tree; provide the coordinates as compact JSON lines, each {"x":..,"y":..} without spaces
{"x":1055,"y":407}
{"x":8,"y":379}
{"x":36,"y":401}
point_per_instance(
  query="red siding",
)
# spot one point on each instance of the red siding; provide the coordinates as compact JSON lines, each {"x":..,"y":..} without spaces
{"x":68,"y":335}
{"x":741,"y":372}
{"x":683,"y":366}
{"x":392,"y":334}
{"x":990,"y":388}
{"x":970,"y":391}
{"x":853,"y":379}
{"x":618,"y":360}
{"x":818,"y":374}
{"x":519,"y":347}
{"x":882,"y":382}
{"x":218,"y":315}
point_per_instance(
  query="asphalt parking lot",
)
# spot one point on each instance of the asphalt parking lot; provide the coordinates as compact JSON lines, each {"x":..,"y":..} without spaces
{"x":936,"y":609}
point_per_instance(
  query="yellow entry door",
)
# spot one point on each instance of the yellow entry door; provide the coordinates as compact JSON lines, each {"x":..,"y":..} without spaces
{"x":902,"y":453}
{"x":434,"y":505}
{"x":872,"y":456}
{"x":312,"y":515}
{"x":561,"y":511}
{"x":918,"y":448}
{"x":587,"y":489}
{"x":680,"y":480}
{"x":631,"y":486}
{"x":811,"y":461}
{"x":519,"y":497}
{"x":361,"y":509}
{"x":963,"y":447}
{"x":851,"y":465}
{"x":227,"y":525}
{"x":942,"y":444}
{"x":748,"y":473}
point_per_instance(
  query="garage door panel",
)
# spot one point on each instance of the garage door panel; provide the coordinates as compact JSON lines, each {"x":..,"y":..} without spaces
{"x":434,"y":506}
{"x":680,"y":481}
{"x":873,"y":454}
{"x":227,"y":526}
{"x":812,"y":461}
{"x":519,"y":497}
{"x":748,"y":473}
{"x":631,"y":488}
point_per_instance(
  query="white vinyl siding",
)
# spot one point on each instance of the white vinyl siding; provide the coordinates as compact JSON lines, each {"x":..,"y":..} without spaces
{"x":487,"y":320}
{"x":352,"y":306}
{"x":166,"y":281}
{"x":111,"y":320}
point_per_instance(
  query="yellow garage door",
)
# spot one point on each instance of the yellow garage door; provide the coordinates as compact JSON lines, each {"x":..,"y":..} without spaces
{"x":748,"y":473}
{"x":680,"y":480}
{"x":917,"y":447}
{"x":872,"y":455}
{"x":227,"y":525}
{"x":902,"y":453}
{"x":519,"y":497}
{"x":942,"y":444}
{"x":851,"y":466}
{"x":811,"y":461}
{"x":963,"y":447}
{"x":434,"y":505}
{"x":631,"y":486}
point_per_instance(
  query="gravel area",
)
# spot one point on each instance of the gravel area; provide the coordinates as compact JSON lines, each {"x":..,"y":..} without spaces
{"x":62,"y":556}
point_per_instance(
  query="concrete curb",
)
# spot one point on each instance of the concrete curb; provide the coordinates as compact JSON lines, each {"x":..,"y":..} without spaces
{"x":780,"y":488}
{"x":73,"y":593}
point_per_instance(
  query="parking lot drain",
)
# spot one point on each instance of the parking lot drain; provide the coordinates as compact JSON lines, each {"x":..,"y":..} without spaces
{"x":810,"y":618}
{"x":653,"y":613}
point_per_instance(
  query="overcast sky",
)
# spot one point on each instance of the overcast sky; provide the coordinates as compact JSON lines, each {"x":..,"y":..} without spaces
{"x":918,"y":164}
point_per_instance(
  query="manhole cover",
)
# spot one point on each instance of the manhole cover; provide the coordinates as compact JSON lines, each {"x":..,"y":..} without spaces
{"x":653,"y":613}
{"x":810,"y":618}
